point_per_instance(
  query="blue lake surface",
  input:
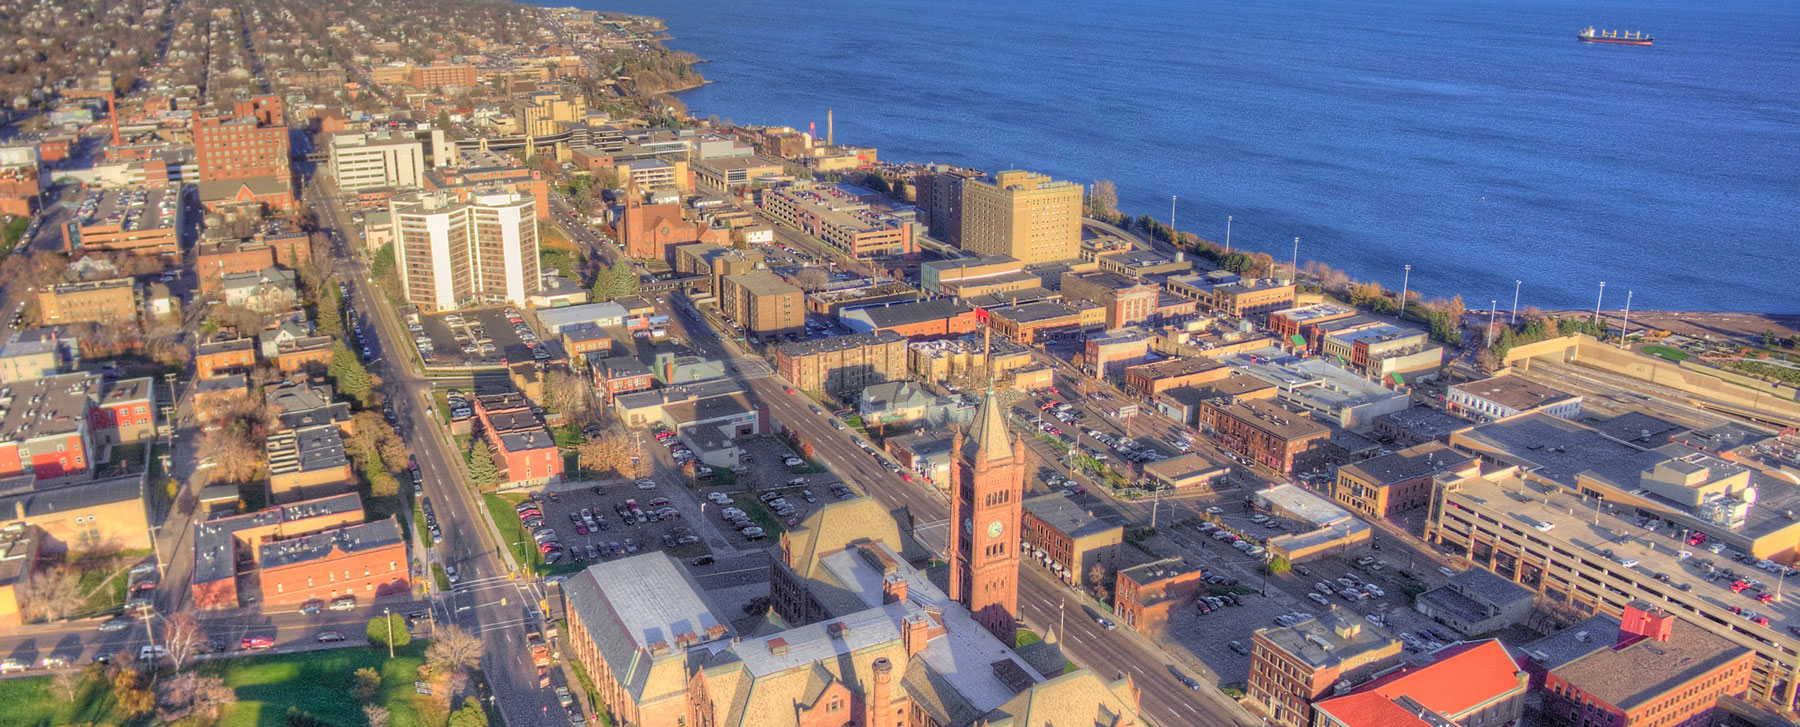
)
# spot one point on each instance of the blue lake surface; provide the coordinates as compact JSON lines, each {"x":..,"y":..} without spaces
{"x":1476,"y":140}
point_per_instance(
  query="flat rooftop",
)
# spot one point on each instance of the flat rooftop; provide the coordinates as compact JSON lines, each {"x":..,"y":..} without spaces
{"x":1410,"y":463}
{"x":1513,"y":392}
{"x":909,"y":312}
{"x":1059,"y":511}
{"x":762,"y":282}
{"x":1275,"y":419}
{"x":319,"y":546}
{"x":1311,"y":380}
{"x":838,"y":343}
{"x":1308,"y":313}
{"x":1174,"y":367}
{"x":1425,"y":422}
{"x":651,"y":597}
{"x":129,"y":208}
{"x":1033,"y":312}
{"x":1330,"y":639}
{"x":1554,"y":448}
{"x":1645,"y":670}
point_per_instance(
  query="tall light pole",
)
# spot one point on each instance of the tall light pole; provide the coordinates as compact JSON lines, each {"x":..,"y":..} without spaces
{"x":1405,"y":281}
{"x":1296,"y":272}
{"x":1596,"y":322}
{"x":1625,"y":322}
{"x":1514,"y":319}
{"x":1493,"y":307}
{"x":1172,"y":217}
{"x":1227,"y":234}
{"x":389,"y":618}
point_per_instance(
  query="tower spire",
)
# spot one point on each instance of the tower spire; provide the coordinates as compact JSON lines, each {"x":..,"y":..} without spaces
{"x":987,"y":354}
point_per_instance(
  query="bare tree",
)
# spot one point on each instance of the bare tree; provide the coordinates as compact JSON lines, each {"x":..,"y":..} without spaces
{"x":229,"y":456}
{"x":454,"y":650}
{"x":68,"y":680}
{"x":568,"y":394}
{"x":192,"y":695}
{"x":609,"y":453}
{"x":183,"y":636}
{"x":52,"y":594}
{"x":377,"y":715}
{"x":812,"y":278}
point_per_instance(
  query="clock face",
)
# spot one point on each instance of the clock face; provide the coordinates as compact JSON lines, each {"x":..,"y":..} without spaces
{"x":995,"y":529}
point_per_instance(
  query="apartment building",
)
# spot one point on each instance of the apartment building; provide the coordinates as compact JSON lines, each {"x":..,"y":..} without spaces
{"x":1291,"y":666}
{"x":453,"y":253}
{"x":52,"y":428}
{"x":1066,"y":538}
{"x":307,"y":463}
{"x":476,"y":171}
{"x":939,"y":195}
{"x":247,"y":146}
{"x":442,"y":75}
{"x":715,"y":261}
{"x":841,"y":221}
{"x":1024,"y":216}
{"x":1128,"y":302}
{"x":94,"y":301}
{"x":763,"y":304}
{"x":841,"y":366}
{"x":375,"y":160}
{"x":366,"y":560}
{"x":144,"y":220}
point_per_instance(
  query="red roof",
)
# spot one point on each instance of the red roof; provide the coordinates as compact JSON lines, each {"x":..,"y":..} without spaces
{"x":1462,"y":678}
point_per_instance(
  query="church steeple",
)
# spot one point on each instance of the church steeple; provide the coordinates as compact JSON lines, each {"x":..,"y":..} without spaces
{"x":988,"y":439}
{"x":988,"y":490}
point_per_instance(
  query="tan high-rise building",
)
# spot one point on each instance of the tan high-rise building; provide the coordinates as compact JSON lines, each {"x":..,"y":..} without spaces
{"x":1025,"y":216}
{"x":452,"y":253}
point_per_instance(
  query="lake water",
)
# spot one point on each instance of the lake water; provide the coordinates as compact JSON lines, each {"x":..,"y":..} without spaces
{"x":1476,"y":140}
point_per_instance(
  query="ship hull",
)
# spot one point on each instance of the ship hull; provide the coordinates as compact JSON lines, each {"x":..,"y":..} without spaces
{"x":1615,"y":41}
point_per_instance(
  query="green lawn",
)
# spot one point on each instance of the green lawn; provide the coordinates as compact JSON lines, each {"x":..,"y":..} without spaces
{"x":1673,"y":354}
{"x":316,"y":681}
{"x":763,"y":517}
{"x":10,"y":234}
{"x":109,"y":597}
{"x":512,"y":532}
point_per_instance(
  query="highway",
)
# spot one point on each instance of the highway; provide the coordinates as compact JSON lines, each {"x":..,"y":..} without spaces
{"x":487,"y":601}
{"x":1109,"y":653}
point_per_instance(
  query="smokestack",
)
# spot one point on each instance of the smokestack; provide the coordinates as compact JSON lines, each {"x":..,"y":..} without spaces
{"x":828,"y":128}
{"x":112,"y":110}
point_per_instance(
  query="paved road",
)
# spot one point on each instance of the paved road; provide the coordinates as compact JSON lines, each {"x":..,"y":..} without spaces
{"x":1164,"y":699}
{"x":488,"y":601}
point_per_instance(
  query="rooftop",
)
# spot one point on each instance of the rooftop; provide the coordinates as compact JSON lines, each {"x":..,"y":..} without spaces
{"x":1033,"y":312}
{"x":1513,"y":392}
{"x":129,"y":208}
{"x":1332,"y":639}
{"x":762,"y":282}
{"x":643,"y":604}
{"x":1275,"y":419}
{"x":1553,"y":447}
{"x":1646,"y":669}
{"x":50,"y":406}
{"x":310,"y":449}
{"x":527,"y":440}
{"x":1158,"y":570}
{"x":1411,"y":463}
{"x":1060,"y":511}
{"x":1459,"y":680}
{"x":321,"y":546}
{"x":1313,"y":381}
{"x":708,"y":409}
{"x":1180,"y":467}
{"x":1425,"y":422}
{"x":838,"y":343}
{"x":1308,"y":313}
{"x":1174,"y":367}
{"x":908,"y":312}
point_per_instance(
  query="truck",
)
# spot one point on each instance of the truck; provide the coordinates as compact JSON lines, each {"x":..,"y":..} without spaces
{"x":540,"y":654}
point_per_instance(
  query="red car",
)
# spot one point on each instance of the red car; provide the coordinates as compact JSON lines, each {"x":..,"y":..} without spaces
{"x":256,"y":642}
{"x":906,"y":476}
{"x":1738,"y":586}
{"x":1760,"y":620}
{"x":788,"y":389}
{"x":1765,"y":597}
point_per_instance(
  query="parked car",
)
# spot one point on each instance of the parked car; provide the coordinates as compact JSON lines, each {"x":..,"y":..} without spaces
{"x":253,"y":643}
{"x":329,"y":636}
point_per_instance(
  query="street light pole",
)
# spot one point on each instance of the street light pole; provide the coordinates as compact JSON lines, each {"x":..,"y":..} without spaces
{"x":1296,"y":271}
{"x":1514,"y":319}
{"x":1493,"y":307}
{"x":1227,"y":234}
{"x":1602,"y":296}
{"x":389,"y":618}
{"x":1625,"y":321}
{"x":1405,"y":281}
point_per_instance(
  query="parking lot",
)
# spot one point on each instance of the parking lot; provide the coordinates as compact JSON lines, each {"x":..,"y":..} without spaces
{"x":597,"y":523}
{"x":479,"y":337}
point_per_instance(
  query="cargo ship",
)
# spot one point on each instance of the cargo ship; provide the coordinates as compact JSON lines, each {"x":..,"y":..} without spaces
{"x":1618,"y":37}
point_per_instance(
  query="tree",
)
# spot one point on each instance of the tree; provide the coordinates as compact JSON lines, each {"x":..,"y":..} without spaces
{"x":609,"y":453}
{"x":471,"y":714}
{"x":192,"y":695}
{"x":183,"y":636}
{"x":1104,"y":201}
{"x":1279,"y":565}
{"x":328,"y":320}
{"x":229,"y":454}
{"x":349,"y":375}
{"x":453,"y":653}
{"x":377,"y":715}
{"x":481,"y":464}
{"x":1769,"y":338}
{"x":133,"y":699}
{"x":379,"y":628}
{"x":383,"y":262}
{"x":443,"y":119}
{"x":68,"y":680}
{"x":811,"y":279}
{"x":367,"y":681}
{"x":51,"y":594}
{"x":1236,"y":262}
{"x":567,"y":393}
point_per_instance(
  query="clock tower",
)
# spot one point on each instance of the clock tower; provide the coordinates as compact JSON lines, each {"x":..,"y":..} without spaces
{"x":988,"y":485}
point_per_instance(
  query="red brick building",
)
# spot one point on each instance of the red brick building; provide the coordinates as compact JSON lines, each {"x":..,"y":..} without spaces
{"x":1144,"y":595}
{"x":1475,"y":684}
{"x":223,"y":545}
{"x":621,"y":375}
{"x":1264,"y":431}
{"x":1291,"y":666}
{"x":1659,"y":670}
{"x":366,"y":561}
{"x":222,"y":357}
{"x":56,"y":426}
{"x":523,"y":448}
{"x":214,"y":261}
{"x":916,"y":319}
{"x":987,"y":498}
{"x":440,"y":75}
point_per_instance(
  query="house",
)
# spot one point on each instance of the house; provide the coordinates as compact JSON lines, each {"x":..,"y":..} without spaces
{"x":268,"y":290}
{"x":288,"y":331}
{"x":232,"y":355}
{"x":905,"y":403}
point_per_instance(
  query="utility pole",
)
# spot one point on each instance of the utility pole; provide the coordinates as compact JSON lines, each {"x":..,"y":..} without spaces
{"x":1596,"y":322}
{"x":1405,"y":281}
{"x":1172,"y":236}
{"x":1155,"y":504}
{"x":1515,"y":314}
{"x":1625,"y":322}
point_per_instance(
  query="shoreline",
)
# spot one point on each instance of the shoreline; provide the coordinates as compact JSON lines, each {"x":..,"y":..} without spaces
{"x":1778,"y":320}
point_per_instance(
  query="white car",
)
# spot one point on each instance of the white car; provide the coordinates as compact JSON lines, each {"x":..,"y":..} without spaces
{"x":646,"y":484}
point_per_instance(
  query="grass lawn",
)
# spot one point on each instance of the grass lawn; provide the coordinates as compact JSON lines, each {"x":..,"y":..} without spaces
{"x":10,"y":234}
{"x":512,"y":531}
{"x":316,"y":681}
{"x":764,"y":518}
{"x":1025,"y":637}
{"x":1673,"y":354}
{"x":111,"y":584}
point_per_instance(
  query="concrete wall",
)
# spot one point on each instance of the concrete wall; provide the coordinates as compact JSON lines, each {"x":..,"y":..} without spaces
{"x":1760,"y":397}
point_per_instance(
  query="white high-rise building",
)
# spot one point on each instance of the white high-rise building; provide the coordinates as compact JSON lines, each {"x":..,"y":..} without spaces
{"x":374,"y":160}
{"x":453,"y":253}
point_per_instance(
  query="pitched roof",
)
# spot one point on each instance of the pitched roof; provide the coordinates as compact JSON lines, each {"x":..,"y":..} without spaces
{"x":834,"y":527}
{"x":1078,"y":698}
{"x":1460,"y":679}
{"x":988,"y":439}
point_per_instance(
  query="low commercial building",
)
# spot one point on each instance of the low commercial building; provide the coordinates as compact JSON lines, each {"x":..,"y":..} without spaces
{"x":971,"y":276}
{"x":1144,"y":595}
{"x":1292,"y":666}
{"x":762,"y":303}
{"x":1183,"y":403}
{"x":1393,"y":355}
{"x":18,"y":558}
{"x":307,"y":463}
{"x":225,"y":547}
{"x":1504,"y":396}
{"x":905,"y":404}
{"x":1333,"y":394}
{"x":1066,"y":538}
{"x":731,"y":174}
{"x":1223,"y":293}
{"x":916,"y":319}
{"x":844,"y":365}
{"x":1127,"y":301}
{"x":144,"y":220}
{"x":1474,"y":684}
{"x":644,"y":408}
{"x":731,"y":415}
{"x":944,"y":360}
{"x":1652,"y":668}
{"x":673,"y":370}
{"x":1566,"y":550}
{"x":604,"y":314}
{"x":102,"y":514}
{"x":1476,"y":602}
{"x":1323,"y":528}
{"x":1265,"y":432}
{"x":22,"y":360}
{"x":1032,"y":324}
{"x":228,"y":356}
{"x":96,"y":301}
{"x":1148,"y":380}
{"x":841,"y":221}
{"x":1391,"y":483}
{"x":618,"y":375}
{"x":926,"y":453}
{"x":1110,"y":353}
{"x":1418,"y":425}
{"x":1187,"y":472}
{"x":1294,"y":326}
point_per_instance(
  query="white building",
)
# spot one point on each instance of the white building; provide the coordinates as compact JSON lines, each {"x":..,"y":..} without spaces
{"x":452,"y":253}
{"x":374,"y":160}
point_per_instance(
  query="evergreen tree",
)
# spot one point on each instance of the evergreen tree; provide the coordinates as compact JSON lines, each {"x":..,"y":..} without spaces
{"x":481,"y":465}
